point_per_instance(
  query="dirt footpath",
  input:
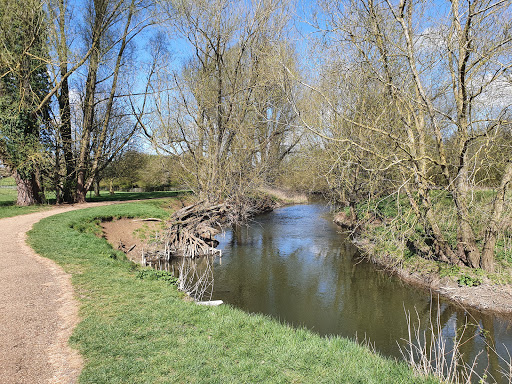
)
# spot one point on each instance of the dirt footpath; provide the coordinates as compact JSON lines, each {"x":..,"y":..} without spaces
{"x":37,"y":309}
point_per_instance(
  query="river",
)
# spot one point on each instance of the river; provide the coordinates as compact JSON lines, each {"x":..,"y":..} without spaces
{"x":294,"y":265}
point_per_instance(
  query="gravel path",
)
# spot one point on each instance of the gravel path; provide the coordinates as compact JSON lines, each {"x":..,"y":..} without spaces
{"x":37,"y":309}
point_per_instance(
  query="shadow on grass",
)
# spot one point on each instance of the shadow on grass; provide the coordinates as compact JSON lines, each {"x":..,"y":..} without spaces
{"x":8,"y":207}
{"x":122,"y":196}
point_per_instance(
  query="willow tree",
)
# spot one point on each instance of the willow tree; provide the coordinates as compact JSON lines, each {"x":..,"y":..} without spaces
{"x":441,"y":71}
{"x":23,"y":84}
{"x":104,"y":127}
{"x":227,"y":119}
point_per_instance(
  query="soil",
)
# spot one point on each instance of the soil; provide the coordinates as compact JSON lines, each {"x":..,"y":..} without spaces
{"x":130,"y":235}
{"x":484,"y":297}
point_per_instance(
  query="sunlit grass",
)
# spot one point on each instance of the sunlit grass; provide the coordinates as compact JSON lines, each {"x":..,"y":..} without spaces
{"x":7,"y":181}
{"x":142,"y":331}
{"x":399,"y":227}
{"x":8,"y":206}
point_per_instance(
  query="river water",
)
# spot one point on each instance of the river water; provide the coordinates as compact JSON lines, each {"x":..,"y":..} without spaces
{"x":293,"y":264}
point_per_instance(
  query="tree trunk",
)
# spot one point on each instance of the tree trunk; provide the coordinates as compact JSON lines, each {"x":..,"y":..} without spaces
{"x":80,"y":194}
{"x":89,"y":103}
{"x":96,"y":187}
{"x":467,"y":249}
{"x":487,"y":260}
{"x":28,"y":190}
{"x":65,"y":110}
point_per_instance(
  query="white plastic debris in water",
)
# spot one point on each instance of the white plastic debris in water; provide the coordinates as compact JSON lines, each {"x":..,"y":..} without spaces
{"x":210,"y":303}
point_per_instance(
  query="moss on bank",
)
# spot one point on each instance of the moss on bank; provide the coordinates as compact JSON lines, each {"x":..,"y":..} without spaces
{"x":142,"y":331}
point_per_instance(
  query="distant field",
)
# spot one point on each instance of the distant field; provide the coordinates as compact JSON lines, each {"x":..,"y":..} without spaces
{"x":7,"y":181}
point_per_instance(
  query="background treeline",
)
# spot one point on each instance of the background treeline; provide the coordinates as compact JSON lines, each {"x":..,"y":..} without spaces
{"x":366,"y":101}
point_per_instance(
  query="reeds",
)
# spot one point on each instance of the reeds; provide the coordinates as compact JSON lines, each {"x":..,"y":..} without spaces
{"x":431,"y":353}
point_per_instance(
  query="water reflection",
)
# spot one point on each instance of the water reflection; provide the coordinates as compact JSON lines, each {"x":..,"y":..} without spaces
{"x":294,"y":264}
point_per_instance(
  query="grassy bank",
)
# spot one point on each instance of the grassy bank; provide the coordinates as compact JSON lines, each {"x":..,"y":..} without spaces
{"x":392,"y":228}
{"x":142,"y":331}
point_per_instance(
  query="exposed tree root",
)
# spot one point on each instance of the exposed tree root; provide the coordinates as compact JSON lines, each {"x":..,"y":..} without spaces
{"x":192,"y":229}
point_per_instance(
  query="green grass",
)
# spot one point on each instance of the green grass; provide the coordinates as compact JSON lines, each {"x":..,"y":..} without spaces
{"x":7,"y":181}
{"x":139,"y":330}
{"x":400,"y":225}
{"x":8,"y":207}
{"x":123,"y":196}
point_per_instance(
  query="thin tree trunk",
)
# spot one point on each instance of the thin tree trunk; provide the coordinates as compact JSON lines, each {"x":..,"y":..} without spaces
{"x":65,"y":109}
{"x":487,"y":260}
{"x":88,"y":125}
{"x":467,"y":249}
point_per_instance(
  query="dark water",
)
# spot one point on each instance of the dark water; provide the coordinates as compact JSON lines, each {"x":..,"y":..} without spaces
{"x":294,"y":265}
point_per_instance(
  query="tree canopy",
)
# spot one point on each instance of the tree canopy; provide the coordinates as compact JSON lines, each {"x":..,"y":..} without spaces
{"x":359,"y":100}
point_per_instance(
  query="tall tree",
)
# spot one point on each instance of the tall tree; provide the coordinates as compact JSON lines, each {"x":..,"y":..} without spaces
{"x":59,"y":12}
{"x":92,"y":111}
{"x":23,"y":85}
{"x":112,"y":25}
{"x":228,"y":118}
{"x":436,"y":69}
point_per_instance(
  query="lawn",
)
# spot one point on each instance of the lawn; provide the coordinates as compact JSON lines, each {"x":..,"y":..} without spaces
{"x":142,"y":331}
{"x":8,"y":207}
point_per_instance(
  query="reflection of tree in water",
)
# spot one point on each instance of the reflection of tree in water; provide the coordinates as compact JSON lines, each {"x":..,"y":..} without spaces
{"x":454,"y":346}
{"x":274,"y":267}
{"x":195,"y":276}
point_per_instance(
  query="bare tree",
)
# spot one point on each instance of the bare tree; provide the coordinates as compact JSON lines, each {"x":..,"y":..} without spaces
{"x":112,"y":25}
{"x":227,"y":118}
{"x":439,"y":74}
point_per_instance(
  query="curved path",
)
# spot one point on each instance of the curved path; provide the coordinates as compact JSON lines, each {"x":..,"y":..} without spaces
{"x":37,"y":309}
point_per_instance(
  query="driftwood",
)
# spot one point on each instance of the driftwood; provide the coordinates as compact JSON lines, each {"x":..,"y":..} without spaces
{"x":211,"y":303}
{"x":192,"y":230}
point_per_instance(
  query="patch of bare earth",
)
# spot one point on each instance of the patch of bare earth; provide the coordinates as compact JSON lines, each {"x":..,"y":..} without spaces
{"x":130,"y":235}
